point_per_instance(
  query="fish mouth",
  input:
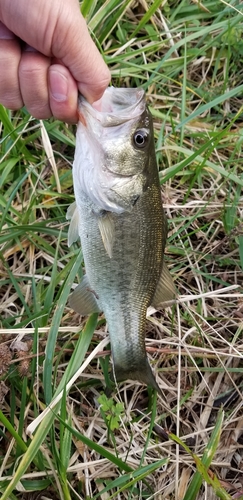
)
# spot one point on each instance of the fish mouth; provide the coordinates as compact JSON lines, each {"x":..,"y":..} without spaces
{"x":117,"y":106}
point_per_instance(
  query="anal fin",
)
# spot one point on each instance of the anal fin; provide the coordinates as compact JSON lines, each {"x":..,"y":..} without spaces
{"x":165,"y":291}
{"x":83,"y":300}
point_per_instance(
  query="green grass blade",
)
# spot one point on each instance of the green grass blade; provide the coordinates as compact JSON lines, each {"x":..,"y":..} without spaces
{"x":212,"y":104}
{"x":99,"y":449}
{"x":145,"y":19}
{"x":22,"y":445}
{"x":241,"y":251}
{"x":127,"y":480}
{"x":88,"y":7}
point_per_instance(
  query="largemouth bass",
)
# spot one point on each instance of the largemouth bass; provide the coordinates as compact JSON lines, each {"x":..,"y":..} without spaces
{"x":120,"y":220}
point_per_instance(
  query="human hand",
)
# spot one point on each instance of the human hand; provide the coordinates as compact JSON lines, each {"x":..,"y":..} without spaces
{"x":57,"y":60}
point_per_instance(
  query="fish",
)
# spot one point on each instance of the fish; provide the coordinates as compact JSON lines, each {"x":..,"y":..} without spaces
{"x":119,"y":217}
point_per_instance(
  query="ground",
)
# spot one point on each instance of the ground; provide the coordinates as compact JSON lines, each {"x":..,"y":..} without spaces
{"x":188,"y":58}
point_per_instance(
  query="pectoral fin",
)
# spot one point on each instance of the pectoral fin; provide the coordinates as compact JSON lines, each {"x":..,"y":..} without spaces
{"x":165,"y":290}
{"x":107,"y":231}
{"x":83,"y":300}
{"x":72,"y":215}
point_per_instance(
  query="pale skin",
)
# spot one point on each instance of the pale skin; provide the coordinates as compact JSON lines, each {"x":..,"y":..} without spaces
{"x":46,"y":57}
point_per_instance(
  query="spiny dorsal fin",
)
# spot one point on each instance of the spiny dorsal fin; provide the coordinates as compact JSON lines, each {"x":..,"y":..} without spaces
{"x":73,"y":216}
{"x":83,"y":300}
{"x":165,"y":291}
{"x":107,"y":231}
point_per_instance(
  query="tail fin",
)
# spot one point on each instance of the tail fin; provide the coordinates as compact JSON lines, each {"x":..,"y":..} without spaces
{"x":142,"y":373}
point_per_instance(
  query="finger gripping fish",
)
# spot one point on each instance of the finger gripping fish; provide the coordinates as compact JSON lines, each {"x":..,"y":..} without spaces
{"x":119,"y":217}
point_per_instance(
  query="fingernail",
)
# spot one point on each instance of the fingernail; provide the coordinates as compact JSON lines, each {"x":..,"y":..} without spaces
{"x":58,"y":86}
{"x":5,"y":33}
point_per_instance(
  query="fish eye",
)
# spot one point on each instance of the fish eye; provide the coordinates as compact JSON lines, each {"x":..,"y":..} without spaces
{"x":140,"y":138}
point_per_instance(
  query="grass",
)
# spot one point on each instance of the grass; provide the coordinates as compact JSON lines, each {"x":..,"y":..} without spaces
{"x":188,"y":58}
